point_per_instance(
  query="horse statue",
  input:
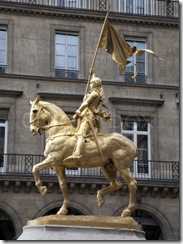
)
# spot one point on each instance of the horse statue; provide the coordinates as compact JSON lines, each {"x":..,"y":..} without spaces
{"x":117,"y":150}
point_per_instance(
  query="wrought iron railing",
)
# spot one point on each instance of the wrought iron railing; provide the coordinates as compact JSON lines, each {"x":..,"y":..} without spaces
{"x":140,"y":78}
{"x":67,"y":73}
{"x":2,"y":69}
{"x":22,"y":164}
{"x":161,"y":8}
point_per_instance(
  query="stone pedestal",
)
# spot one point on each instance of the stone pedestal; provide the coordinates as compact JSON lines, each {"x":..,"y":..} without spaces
{"x":55,"y":227}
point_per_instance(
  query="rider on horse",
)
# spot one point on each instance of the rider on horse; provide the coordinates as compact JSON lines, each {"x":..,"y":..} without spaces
{"x":87,"y":114}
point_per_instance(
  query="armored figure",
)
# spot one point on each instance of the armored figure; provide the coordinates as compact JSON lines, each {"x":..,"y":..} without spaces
{"x":87,"y":114}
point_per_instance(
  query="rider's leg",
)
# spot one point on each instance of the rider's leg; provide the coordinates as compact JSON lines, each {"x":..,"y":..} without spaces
{"x":84,"y":127}
{"x":79,"y":146}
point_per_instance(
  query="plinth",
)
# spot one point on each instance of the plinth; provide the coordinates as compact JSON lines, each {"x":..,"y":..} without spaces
{"x":57,"y":227}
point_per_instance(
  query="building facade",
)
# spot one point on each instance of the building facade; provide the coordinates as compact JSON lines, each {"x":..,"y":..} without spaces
{"x":46,"y":49}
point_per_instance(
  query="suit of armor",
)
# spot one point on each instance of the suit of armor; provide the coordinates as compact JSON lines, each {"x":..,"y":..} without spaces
{"x":88,"y":111}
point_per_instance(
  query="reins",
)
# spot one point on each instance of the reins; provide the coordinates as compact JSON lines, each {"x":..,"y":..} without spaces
{"x":61,"y":124}
{"x":49,"y":126}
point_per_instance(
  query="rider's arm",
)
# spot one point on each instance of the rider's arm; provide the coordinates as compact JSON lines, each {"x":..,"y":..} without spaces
{"x":87,"y":102}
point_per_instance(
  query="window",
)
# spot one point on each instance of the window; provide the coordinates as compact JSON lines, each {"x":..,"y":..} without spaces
{"x":139,"y":132}
{"x":66,"y":55}
{"x":138,"y":64}
{"x":3,"y":50}
{"x":134,"y":6}
{"x":3,"y":144}
{"x":67,"y":3}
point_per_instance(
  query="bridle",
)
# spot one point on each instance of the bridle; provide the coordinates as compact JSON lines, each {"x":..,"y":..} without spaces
{"x":36,"y":116}
{"x":45,"y":127}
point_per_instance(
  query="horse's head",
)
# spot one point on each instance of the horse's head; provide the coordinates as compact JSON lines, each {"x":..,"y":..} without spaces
{"x":39,"y":117}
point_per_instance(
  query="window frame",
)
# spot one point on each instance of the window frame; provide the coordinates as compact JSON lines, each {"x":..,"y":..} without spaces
{"x":65,"y":68}
{"x":135,"y":132}
{"x":4,"y":123}
{"x":3,"y":65}
{"x":145,"y":75}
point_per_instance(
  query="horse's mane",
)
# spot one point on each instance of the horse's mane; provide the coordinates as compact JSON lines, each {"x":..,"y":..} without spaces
{"x":57,"y":113}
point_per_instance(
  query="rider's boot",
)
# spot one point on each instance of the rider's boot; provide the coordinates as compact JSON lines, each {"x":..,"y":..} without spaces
{"x":77,"y":153}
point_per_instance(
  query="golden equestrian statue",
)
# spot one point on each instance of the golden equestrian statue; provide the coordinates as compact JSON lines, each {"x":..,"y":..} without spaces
{"x":111,"y":152}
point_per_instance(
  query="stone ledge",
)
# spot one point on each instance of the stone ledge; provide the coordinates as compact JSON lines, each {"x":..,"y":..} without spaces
{"x":10,"y":93}
{"x":141,"y":101}
{"x":90,"y":221}
{"x":12,"y":183}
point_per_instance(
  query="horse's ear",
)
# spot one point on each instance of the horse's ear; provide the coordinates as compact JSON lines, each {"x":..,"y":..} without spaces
{"x":37,"y":99}
{"x":31,"y":102}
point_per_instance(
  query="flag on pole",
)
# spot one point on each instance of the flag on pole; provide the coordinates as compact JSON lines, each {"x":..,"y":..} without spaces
{"x":120,"y":50}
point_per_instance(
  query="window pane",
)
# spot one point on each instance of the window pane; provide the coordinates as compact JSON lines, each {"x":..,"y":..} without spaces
{"x":140,"y":58}
{"x":130,"y":69}
{"x":60,"y":38}
{"x":60,"y":50}
{"x":2,"y":57}
{"x":2,"y":44}
{"x":73,"y":40}
{"x":128,"y":125}
{"x":3,"y":34}
{"x":72,"y":63}
{"x":140,"y":45}
{"x":142,"y":126}
{"x":2,"y":136}
{"x":142,"y":145}
{"x":140,"y":67}
{"x":60,"y":62}
{"x":72,"y":51}
{"x":129,"y":136}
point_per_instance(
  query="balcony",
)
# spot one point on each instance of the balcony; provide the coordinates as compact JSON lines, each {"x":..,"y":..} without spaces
{"x":22,"y":164}
{"x":67,"y":74}
{"x":159,"y":8}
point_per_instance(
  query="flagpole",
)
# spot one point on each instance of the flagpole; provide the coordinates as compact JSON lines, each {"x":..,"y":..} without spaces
{"x":96,"y":50}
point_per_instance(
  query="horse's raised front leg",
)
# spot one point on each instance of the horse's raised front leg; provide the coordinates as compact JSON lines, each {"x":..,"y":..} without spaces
{"x":132,"y":186}
{"x":45,"y":164}
{"x":115,"y":184}
{"x":60,"y":172}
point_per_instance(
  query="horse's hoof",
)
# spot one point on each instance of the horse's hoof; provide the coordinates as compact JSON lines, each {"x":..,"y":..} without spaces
{"x":62,"y":212}
{"x":126,"y":213}
{"x":101,"y":202}
{"x":43,"y":190}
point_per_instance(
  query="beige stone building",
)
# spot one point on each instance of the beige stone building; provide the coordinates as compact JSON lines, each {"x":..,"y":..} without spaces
{"x":46,"y":49}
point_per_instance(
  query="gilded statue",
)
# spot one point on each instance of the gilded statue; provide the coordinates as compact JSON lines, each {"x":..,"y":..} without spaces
{"x":84,"y":146}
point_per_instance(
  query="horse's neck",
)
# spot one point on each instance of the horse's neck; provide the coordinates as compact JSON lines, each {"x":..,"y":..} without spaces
{"x":59,"y":121}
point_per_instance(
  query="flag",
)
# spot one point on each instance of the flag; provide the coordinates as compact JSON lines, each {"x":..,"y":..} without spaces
{"x":120,"y":50}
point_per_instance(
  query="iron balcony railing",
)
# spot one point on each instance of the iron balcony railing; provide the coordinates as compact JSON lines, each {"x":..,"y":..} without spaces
{"x":160,"y":8}
{"x":22,"y":164}
{"x":66,"y":73}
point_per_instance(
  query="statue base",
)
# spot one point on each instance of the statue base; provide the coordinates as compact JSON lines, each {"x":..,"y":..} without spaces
{"x":70,"y":227}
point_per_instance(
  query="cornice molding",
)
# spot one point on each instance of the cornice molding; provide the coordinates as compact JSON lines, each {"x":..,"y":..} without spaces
{"x":141,"y":101}
{"x":10,"y":93}
{"x":83,"y":81}
{"x":147,"y":188}
{"x":42,"y":10}
{"x":61,"y":96}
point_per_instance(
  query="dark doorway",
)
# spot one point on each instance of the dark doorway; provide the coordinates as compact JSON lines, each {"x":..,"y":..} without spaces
{"x":149,"y":225}
{"x":7,"y":230}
